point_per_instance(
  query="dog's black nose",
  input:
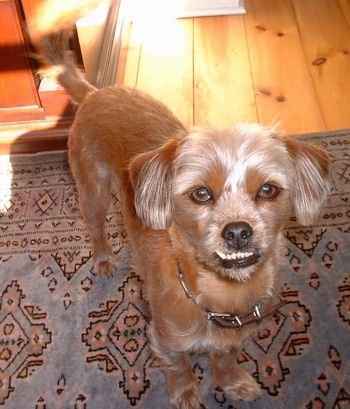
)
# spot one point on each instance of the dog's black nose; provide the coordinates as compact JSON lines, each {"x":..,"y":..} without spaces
{"x":237,"y":234}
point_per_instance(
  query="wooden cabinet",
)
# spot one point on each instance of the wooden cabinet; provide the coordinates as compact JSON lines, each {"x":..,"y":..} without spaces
{"x":30,"y":119}
{"x":19,"y":98}
{"x":33,"y":117}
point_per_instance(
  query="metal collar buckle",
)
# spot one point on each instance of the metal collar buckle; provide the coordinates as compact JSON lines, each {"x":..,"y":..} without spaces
{"x":235,"y":321}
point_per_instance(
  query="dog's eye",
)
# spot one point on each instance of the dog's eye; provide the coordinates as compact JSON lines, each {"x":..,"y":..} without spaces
{"x":268,"y":192}
{"x":201,"y":195}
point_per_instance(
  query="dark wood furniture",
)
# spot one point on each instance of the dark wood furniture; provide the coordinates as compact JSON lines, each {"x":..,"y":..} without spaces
{"x":30,"y":119}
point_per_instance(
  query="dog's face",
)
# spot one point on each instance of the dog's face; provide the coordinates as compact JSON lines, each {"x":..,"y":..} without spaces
{"x":231,"y":197}
{"x":228,"y":193}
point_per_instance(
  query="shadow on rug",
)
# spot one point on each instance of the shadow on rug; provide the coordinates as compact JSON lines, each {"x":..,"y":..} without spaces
{"x":70,"y":339}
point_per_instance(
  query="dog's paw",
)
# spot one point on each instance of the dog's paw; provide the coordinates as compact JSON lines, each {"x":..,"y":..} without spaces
{"x":106,"y":268}
{"x":188,"y":399}
{"x":246,"y":389}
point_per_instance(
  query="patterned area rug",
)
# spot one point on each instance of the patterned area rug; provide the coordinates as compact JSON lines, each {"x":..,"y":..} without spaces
{"x":70,"y":339}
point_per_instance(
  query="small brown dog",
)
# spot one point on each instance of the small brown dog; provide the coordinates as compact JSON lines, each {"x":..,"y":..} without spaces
{"x":204,"y":210}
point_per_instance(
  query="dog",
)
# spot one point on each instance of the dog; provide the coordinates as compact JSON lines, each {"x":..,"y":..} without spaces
{"x":204,"y":209}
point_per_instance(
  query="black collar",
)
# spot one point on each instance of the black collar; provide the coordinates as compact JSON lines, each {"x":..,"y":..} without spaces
{"x":231,"y":320}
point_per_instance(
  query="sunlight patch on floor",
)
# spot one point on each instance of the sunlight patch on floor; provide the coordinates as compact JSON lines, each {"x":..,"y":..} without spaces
{"x":5,"y":183}
{"x":156,"y":28}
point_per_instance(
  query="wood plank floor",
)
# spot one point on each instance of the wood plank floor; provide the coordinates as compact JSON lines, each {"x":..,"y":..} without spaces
{"x":285,"y":61}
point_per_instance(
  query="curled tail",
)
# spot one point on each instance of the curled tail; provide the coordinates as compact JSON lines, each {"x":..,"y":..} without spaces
{"x":54,"y":53}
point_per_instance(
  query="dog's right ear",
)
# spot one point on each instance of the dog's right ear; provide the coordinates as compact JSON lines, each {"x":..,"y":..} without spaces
{"x":151,"y":175}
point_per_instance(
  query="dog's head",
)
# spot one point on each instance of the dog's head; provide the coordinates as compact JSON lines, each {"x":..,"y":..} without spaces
{"x":229,"y":192}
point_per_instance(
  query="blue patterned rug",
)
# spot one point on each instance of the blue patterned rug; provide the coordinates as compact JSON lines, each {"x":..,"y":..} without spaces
{"x":70,"y":339}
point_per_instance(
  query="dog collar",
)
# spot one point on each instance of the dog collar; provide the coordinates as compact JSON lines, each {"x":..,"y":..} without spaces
{"x":231,"y":320}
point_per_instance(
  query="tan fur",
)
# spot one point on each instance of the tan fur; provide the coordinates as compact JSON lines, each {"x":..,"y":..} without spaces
{"x":49,"y":16}
{"x":254,"y":174}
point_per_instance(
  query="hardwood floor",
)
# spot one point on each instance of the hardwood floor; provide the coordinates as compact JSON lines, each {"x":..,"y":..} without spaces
{"x":285,"y":61}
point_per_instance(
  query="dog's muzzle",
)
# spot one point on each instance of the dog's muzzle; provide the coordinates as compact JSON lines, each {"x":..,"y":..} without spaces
{"x":237,"y":237}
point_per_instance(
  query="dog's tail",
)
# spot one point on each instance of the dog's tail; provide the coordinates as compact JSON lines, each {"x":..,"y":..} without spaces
{"x":49,"y":16}
{"x":60,"y":63}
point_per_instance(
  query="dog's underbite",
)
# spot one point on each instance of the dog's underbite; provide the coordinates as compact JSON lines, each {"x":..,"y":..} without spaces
{"x":204,"y":209}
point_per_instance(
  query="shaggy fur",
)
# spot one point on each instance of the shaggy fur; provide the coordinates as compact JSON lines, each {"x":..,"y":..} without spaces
{"x":48,"y":16}
{"x":208,"y":203}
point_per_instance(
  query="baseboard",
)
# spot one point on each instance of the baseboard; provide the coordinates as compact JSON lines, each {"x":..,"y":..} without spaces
{"x":201,"y":8}
{"x":141,"y":9}
{"x":32,"y":137}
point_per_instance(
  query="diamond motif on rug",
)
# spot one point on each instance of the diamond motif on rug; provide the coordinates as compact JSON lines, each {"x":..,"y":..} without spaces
{"x":128,"y":333}
{"x":117,"y":336}
{"x":13,"y":340}
{"x":22,"y":339}
{"x":45,"y":203}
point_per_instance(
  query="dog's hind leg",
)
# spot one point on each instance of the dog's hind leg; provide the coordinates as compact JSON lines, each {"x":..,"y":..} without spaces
{"x":94,"y":189}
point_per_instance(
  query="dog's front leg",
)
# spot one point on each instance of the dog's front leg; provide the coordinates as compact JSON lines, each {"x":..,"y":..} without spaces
{"x":182,"y":383}
{"x":232,"y":379}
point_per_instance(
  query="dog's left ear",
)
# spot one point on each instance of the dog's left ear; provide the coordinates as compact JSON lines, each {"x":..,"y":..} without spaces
{"x":311,"y":184}
{"x":151,"y":175}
